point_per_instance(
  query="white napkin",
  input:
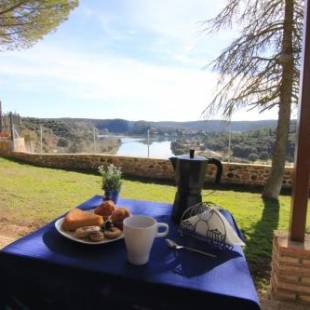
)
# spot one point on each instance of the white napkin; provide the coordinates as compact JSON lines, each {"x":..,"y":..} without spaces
{"x":213,"y":220}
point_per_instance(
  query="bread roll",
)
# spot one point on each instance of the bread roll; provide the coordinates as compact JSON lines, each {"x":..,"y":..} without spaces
{"x":106,"y":209}
{"x":120,"y":214}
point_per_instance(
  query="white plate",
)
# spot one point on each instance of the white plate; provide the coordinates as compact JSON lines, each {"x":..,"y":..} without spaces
{"x":70,"y":235}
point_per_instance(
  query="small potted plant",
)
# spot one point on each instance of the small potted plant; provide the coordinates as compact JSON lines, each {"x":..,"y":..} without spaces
{"x":111,"y":181}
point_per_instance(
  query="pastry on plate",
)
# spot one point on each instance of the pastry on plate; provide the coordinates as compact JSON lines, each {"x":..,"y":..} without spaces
{"x":112,"y":233}
{"x":85,"y":231}
{"x":96,"y":236}
{"x":77,"y":218}
{"x":106,"y":209}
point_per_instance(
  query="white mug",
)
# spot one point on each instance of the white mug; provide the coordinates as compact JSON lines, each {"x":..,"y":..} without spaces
{"x":140,"y":232}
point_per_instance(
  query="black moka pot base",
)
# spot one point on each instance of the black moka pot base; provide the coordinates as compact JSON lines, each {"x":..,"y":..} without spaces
{"x":182,"y":202}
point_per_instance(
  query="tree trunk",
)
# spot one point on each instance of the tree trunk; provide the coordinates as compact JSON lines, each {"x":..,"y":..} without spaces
{"x":274,"y":183}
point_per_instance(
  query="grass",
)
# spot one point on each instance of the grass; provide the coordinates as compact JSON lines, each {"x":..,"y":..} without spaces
{"x":37,"y":195}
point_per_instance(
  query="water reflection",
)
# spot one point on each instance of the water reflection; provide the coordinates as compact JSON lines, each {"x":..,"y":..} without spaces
{"x":138,"y":147}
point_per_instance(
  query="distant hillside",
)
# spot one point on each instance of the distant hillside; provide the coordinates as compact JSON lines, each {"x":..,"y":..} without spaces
{"x":219,"y":125}
{"x":72,"y":127}
{"x":60,"y":135}
{"x":121,"y":126}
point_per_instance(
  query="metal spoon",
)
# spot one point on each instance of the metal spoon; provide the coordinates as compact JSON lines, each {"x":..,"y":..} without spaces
{"x":173,"y":245}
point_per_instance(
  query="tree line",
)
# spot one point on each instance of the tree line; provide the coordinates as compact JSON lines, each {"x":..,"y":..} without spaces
{"x":252,"y":145}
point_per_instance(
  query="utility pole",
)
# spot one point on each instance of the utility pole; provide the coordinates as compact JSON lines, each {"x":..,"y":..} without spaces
{"x":41,"y":139}
{"x":1,"y":119}
{"x":229,"y":142}
{"x":12,"y":130}
{"x":148,"y":142}
{"x":95,"y":144}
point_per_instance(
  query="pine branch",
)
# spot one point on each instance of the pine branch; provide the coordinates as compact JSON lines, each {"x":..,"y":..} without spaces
{"x":13,"y":7}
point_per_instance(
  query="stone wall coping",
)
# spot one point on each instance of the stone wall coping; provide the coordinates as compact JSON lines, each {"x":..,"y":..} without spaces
{"x":92,"y":155}
{"x":142,"y":158}
{"x":292,"y":247}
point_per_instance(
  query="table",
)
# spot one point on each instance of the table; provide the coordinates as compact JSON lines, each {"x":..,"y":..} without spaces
{"x":44,"y":270}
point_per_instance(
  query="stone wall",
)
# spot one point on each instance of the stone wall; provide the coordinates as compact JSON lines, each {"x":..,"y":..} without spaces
{"x":156,"y":169}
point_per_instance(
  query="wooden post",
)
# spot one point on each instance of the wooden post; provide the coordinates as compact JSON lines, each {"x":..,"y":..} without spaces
{"x":301,"y":176}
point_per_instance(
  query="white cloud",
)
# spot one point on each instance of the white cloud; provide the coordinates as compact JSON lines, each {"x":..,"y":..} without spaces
{"x":173,"y":29}
{"x":174,"y":18}
{"x":172,"y":92}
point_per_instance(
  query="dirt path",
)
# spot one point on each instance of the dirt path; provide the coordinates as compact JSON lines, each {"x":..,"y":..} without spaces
{"x":4,"y":240}
{"x":267,"y":304}
{"x":10,"y":230}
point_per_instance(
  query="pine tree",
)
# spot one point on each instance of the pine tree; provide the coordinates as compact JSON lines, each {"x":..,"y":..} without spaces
{"x":24,"y":22}
{"x":260,"y":69}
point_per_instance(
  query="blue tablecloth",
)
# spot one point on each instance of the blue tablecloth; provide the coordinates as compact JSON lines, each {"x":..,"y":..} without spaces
{"x":44,"y":268}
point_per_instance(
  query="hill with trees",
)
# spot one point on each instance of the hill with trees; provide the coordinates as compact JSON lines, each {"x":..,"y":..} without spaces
{"x":122,"y":126}
{"x":60,"y":135}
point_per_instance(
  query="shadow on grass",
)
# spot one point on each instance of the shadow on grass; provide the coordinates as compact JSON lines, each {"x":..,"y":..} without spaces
{"x":259,"y":245}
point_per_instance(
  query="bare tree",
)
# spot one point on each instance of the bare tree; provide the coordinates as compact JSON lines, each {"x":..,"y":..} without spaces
{"x":260,"y":69}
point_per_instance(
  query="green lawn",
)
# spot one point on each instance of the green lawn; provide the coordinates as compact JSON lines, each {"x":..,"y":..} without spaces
{"x":36,"y":195}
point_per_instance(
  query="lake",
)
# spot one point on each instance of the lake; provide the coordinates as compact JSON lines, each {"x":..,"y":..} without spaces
{"x":137,"y":147}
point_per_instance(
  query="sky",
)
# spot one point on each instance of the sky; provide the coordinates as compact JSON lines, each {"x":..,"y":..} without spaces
{"x":131,"y":59}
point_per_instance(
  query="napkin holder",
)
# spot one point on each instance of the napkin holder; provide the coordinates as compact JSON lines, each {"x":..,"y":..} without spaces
{"x":201,"y":228}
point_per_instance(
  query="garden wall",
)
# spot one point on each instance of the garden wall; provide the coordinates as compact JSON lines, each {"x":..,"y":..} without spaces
{"x":155,"y":169}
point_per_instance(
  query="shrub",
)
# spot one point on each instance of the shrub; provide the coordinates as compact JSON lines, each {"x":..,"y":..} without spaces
{"x":253,"y":157}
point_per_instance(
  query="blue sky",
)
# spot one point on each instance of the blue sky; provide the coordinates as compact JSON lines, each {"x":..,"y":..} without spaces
{"x":132,"y":59}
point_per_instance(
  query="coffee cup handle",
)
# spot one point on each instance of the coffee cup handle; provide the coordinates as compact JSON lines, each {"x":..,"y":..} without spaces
{"x":164,"y":233}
